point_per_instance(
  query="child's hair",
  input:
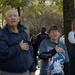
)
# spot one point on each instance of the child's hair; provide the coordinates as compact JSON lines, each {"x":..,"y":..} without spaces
{"x":53,"y":27}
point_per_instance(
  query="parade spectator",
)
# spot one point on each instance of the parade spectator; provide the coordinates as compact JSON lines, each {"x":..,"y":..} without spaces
{"x":16,"y":53}
{"x":35,"y":48}
{"x":53,"y":54}
{"x":42,"y":35}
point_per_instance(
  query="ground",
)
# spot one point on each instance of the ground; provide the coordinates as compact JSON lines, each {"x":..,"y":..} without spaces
{"x":37,"y":71}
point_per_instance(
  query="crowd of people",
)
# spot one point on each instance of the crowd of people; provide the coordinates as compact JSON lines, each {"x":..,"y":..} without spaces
{"x":18,"y":52}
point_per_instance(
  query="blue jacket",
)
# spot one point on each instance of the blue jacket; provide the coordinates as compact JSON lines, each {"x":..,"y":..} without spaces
{"x":12,"y":58}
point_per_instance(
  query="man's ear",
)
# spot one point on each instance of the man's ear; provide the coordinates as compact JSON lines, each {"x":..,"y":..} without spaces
{"x":6,"y":19}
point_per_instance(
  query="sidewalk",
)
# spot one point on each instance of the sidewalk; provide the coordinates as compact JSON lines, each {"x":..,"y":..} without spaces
{"x":38,"y":67}
{"x":37,"y":71}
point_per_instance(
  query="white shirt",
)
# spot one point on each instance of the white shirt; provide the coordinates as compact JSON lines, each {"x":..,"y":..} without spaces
{"x":71,"y":37}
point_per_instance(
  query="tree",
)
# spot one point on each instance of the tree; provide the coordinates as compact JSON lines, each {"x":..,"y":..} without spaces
{"x":68,"y":14}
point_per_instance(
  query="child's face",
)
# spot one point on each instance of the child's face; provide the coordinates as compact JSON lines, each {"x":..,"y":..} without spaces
{"x":54,"y":35}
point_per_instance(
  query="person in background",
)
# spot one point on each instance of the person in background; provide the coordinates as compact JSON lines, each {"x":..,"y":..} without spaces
{"x":71,"y":38}
{"x":53,"y":54}
{"x":35,"y":48}
{"x":16,"y":52}
{"x":42,"y":35}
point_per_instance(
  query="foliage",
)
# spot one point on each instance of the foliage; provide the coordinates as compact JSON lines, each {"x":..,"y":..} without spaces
{"x":6,"y":4}
{"x":58,"y":3}
{"x":35,"y":8}
{"x":47,"y":18}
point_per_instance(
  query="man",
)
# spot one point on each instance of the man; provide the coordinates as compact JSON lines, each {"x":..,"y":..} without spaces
{"x":16,"y":55}
{"x":42,"y":35}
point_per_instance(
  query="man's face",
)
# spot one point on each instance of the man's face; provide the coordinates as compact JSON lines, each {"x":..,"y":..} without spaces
{"x":43,"y":30}
{"x":12,"y":18}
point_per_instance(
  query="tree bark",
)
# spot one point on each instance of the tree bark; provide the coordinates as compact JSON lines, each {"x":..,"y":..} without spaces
{"x":68,"y":15}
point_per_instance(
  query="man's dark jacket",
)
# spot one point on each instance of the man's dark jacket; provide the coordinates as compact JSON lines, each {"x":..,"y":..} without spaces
{"x":12,"y":58}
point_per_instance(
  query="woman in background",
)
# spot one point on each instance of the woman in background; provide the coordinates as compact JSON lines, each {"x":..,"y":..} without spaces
{"x":35,"y":47}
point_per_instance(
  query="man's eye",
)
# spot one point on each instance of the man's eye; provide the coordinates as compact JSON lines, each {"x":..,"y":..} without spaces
{"x":15,"y":15}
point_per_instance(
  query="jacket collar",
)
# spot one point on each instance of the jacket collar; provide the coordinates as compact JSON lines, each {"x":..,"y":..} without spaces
{"x":20,"y":28}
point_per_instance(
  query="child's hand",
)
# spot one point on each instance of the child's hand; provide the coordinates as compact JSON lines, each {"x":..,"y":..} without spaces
{"x":59,"y":49}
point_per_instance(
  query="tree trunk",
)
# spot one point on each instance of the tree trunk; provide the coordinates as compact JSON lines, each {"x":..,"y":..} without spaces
{"x":68,"y":15}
